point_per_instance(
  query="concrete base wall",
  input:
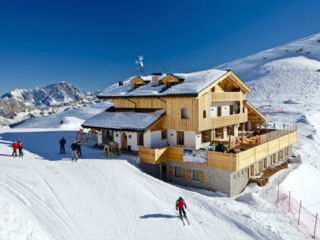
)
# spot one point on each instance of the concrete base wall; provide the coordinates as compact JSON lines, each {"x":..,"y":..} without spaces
{"x":153,"y":170}
{"x":214,"y":179}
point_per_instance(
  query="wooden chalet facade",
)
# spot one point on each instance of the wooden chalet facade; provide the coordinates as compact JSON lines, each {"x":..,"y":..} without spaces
{"x":189,"y":114}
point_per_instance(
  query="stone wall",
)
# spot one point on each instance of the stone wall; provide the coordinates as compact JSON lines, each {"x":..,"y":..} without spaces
{"x":214,"y":179}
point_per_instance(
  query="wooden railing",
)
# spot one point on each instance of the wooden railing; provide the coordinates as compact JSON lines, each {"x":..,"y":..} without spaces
{"x":226,"y":96}
{"x":229,"y":120}
{"x":225,"y":161}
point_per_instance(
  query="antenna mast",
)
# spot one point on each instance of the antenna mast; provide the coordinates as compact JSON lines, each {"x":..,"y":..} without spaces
{"x":140,"y":65}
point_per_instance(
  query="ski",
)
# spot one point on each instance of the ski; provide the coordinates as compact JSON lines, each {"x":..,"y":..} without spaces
{"x":187,"y":221}
{"x":183,"y":222}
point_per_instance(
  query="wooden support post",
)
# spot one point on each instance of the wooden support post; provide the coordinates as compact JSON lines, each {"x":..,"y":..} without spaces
{"x":315,"y":226}
{"x":289,"y":200}
{"x":278,"y":192}
{"x":299,"y":213}
{"x":242,"y":132}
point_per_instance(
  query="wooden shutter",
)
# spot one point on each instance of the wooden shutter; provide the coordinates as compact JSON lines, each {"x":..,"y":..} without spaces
{"x":189,"y":174}
{"x":201,"y":176}
{"x":182,"y":173}
{"x":171,"y":171}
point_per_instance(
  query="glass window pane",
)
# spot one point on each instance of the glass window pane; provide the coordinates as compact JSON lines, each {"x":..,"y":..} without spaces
{"x":177,"y":172}
{"x":195,"y":175}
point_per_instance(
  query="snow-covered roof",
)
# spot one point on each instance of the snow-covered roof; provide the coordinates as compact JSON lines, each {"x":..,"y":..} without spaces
{"x":124,"y":120}
{"x":193,"y":84}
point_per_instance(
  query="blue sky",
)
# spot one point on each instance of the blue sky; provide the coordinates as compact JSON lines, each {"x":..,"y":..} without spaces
{"x":93,"y":44}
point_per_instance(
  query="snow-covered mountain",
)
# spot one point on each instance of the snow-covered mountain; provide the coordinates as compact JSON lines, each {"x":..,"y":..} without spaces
{"x":284,"y":74}
{"x":22,"y":104}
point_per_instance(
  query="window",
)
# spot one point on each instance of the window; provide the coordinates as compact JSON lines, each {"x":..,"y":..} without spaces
{"x":180,"y":138}
{"x":219,"y":132}
{"x":140,"y":139}
{"x":252,"y":170}
{"x":177,"y":172}
{"x":231,"y":110}
{"x":265,"y":163}
{"x":260,"y":166}
{"x":184,"y":113}
{"x":195,"y":175}
{"x":108,"y":135}
{"x":219,"y":112}
{"x":164,"y":134}
{"x":230,"y":130}
{"x":204,"y":114}
{"x":206,"y":136}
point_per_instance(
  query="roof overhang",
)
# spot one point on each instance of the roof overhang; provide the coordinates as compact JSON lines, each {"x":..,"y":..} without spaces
{"x":258,"y":115}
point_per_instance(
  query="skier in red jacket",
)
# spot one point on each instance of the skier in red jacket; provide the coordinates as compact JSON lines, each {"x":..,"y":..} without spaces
{"x":14,"y":148}
{"x":179,"y":205}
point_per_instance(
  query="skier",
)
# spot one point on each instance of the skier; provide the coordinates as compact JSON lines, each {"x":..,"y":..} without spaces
{"x":79,"y":149}
{"x":74,"y":147}
{"x":14,"y":148}
{"x":20,"y":147}
{"x":62,"y":143}
{"x":179,"y":205}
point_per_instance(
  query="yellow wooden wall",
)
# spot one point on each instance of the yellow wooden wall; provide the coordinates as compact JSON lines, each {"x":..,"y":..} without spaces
{"x":223,"y":161}
{"x":153,"y":103}
{"x":173,"y":113}
{"x":204,"y":104}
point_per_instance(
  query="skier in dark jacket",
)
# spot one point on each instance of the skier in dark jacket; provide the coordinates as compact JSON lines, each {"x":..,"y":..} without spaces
{"x":62,"y":143}
{"x":179,"y":205}
{"x":79,"y":149}
{"x":74,"y":147}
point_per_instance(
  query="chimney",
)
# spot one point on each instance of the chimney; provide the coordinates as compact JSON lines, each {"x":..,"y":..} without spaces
{"x":156,"y":79}
{"x":120,"y":83}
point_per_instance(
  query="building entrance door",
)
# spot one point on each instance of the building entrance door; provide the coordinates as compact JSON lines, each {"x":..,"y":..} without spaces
{"x":124,"y":140}
{"x":164,"y":172}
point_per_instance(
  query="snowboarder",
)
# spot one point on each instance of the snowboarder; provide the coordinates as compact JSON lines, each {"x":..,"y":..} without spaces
{"x":74,"y":147}
{"x":14,"y":148}
{"x":179,"y":205}
{"x":79,"y":149}
{"x":20,"y":147}
{"x":62,"y":143}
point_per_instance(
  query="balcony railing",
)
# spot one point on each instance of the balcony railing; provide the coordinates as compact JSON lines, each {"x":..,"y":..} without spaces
{"x":225,"y":161}
{"x":229,"y":120}
{"x":226,"y":96}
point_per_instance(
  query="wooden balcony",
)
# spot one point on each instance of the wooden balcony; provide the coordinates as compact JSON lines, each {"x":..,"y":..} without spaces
{"x":226,"y":96}
{"x":225,"y":161}
{"x":229,"y":120}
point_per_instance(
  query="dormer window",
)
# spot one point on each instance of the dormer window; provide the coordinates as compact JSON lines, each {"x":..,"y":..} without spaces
{"x":171,"y":80}
{"x":137,"y":82}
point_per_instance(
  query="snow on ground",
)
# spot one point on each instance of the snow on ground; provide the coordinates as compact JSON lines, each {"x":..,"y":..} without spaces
{"x":46,"y":196}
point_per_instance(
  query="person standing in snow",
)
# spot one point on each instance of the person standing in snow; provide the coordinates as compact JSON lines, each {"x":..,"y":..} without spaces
{"x":14,"y":148}
{"x":62,"y":143}
{"x":179,"y":205}
{"x":79,"y":149}
{"x":20,"y":147}
{"x":74,"y":147}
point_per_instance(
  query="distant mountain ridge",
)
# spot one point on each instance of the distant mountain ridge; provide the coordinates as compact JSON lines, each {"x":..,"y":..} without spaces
{"x":22,"y":104}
